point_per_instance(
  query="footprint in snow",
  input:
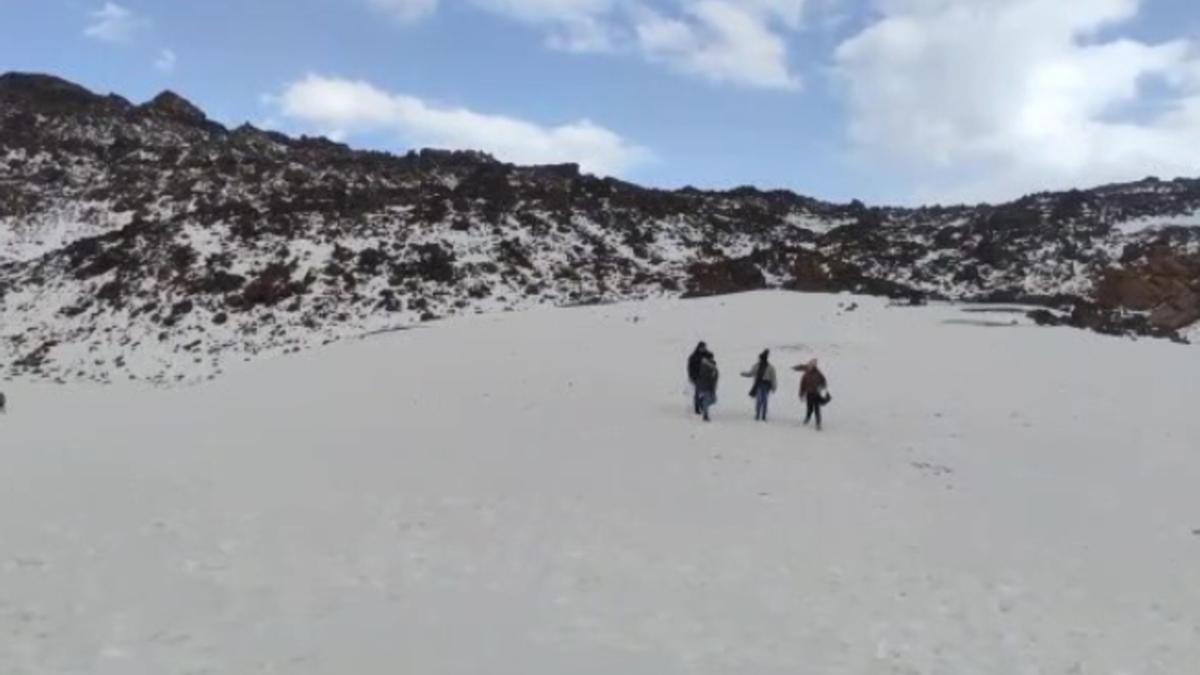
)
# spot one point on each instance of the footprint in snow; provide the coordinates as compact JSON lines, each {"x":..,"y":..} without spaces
{"x":932,"y":469}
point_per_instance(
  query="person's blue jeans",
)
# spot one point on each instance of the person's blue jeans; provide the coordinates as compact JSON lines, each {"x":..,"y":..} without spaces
{"x":707,"y":399}
{"x":760,"y":403}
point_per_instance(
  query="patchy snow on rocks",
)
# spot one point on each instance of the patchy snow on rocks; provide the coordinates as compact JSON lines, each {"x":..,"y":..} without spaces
{"x":147,"y":242}
{"x":1144,"y":223}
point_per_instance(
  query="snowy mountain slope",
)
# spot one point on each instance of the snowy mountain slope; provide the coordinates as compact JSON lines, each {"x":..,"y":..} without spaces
{"x":148,"y":242}
{"x":528,"y":493}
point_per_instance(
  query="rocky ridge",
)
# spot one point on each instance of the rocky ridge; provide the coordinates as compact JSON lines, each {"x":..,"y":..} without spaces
{"x":149,"y":242}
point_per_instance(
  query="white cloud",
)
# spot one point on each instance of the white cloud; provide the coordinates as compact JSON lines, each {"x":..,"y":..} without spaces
{"x":570,"y":25}
{"x":722,"y":41}
{"x":991,"y":98}
{"x":790,"y":12}
{"x":340,"y":107}
{"x":742,"y":42}
{"x":406,"y":10}
{"x":113,"y":23}
{"x":166,"y":61}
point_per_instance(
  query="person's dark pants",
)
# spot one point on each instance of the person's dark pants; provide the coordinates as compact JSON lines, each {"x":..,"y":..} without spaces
{"x":696,"y":393}
{"x":707,"y":399}
{"x":814,"y":402}
{"x":762,"y":396}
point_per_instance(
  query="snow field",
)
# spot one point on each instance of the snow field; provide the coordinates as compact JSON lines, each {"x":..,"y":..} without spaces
{"x":529,"y":493}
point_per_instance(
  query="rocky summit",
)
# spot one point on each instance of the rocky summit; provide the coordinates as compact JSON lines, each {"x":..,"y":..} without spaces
{"x":150,"y":242}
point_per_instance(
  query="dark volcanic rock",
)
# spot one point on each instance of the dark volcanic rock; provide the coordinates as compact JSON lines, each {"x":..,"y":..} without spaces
{"x":726,"y":276}
{"x":35,"y":93}
{"x":1161,"y":281}
{"x":1090,"y":316}
{"x":173,"y":107}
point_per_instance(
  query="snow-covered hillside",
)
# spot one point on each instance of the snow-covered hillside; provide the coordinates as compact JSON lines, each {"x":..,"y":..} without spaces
{"x":148,"y":242}
{"x":528,"y":493}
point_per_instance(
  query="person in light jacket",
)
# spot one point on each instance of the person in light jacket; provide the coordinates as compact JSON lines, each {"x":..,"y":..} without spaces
{"x":813,"y":391}
{"x":764,"y":384}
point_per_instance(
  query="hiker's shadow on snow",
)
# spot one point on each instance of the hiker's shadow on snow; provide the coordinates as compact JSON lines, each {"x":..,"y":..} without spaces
{"x":731,"y":418}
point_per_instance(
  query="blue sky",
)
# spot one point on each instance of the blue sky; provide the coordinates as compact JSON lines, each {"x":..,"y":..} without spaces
{"x":897,"y":101}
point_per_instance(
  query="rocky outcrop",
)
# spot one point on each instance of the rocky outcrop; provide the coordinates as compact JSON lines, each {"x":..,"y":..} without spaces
{"x":1090,"y":316}
{"x":1159,"y":280}
{"x":173,"y":107}
{"x":723,"y":277}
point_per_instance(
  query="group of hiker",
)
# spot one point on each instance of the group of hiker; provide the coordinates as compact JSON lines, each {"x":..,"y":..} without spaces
{"x":703,"y":374}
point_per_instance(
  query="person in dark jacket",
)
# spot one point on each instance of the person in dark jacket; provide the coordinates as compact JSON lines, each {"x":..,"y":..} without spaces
{"x":706,"y":383}
{"x":693,"y":368}
{"x":813,"y":390}
{"x":764,"y":384}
